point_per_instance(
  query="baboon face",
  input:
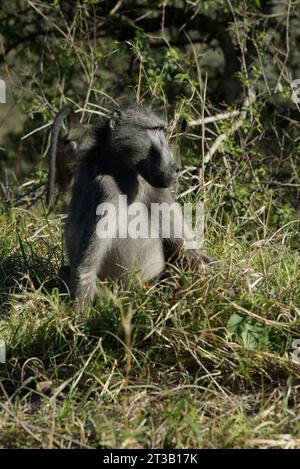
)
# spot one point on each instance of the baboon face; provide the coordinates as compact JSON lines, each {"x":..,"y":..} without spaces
{"x":138,"y":138}
{"x":69,"y":147}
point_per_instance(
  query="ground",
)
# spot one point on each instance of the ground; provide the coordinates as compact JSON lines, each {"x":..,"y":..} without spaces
{"x":192,"y":360}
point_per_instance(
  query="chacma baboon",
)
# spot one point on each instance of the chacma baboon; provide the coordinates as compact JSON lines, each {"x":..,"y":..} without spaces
{"x":65,"y":152}
{"x":130,"y":159}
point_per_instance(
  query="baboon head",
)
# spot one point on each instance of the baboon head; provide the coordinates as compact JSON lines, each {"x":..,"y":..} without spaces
{"x":137,"y":137}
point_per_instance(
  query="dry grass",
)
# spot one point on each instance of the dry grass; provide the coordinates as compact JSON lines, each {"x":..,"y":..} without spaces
{"x":177,"y":377}
{"x":191,"y":360}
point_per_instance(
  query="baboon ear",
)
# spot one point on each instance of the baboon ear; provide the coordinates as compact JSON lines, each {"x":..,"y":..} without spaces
{"x":115,"y":119}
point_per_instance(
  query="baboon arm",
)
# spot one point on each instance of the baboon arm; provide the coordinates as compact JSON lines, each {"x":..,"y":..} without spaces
{"x":172,"y":248}
{"x":177,"y":247}
{"x":85,"y":271}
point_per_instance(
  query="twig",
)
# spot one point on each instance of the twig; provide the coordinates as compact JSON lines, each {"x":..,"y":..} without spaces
{"x":217,"y":117}
{"x":287,"y":46}
{"x":20,"y":423}
{"x":116,"y":7}
{"x":37,"y":130}
{"x":43,"y":127}
{"x":235,"y":126}
{"x":106,"y":96}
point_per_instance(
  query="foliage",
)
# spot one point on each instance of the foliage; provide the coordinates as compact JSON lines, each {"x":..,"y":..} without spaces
{"x":210,"y":356}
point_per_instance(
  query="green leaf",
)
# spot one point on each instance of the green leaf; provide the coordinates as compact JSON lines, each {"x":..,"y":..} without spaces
{"x":252,"y":335}
{"x":234,"y":323}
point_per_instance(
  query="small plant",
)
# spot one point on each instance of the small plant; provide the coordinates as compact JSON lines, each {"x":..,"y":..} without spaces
{"x":253,"y":335}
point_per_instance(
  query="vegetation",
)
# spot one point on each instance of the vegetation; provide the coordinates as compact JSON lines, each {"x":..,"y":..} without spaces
{"x":190,"y":360}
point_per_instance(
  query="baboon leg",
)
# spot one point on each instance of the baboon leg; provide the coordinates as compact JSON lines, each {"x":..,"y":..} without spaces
{"x":83,"y":275}
{"x":83,"y":284}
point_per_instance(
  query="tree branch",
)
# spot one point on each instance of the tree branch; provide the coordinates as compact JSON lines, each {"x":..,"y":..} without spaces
{"x":249,"y":100}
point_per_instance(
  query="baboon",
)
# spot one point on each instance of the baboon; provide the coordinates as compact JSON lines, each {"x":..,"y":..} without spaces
{"x":131,"y":158}
{"x":65,"y":152}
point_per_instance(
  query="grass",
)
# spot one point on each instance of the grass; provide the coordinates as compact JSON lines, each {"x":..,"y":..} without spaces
{"x":188,"y":361}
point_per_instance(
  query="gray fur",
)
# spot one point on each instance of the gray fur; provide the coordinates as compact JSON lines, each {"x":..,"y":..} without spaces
{"x":130,"y":157}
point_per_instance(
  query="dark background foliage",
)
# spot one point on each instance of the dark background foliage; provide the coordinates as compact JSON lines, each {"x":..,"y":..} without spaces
{"x":190,"y":58}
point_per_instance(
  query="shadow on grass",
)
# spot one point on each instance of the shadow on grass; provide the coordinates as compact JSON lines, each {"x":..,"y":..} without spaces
{"x":19,"y":276}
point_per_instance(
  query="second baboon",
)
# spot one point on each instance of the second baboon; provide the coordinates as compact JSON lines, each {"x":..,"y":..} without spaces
{"x":131,"y":158}
{"x":65,"y":152}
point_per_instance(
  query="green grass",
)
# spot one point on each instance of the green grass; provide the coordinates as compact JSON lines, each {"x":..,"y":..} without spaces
{"x":189,"y":361}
